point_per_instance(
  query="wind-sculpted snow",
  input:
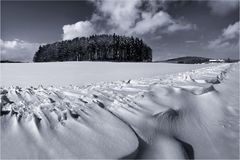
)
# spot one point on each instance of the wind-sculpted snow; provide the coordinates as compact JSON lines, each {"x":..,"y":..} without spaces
{"x":180,"y":115}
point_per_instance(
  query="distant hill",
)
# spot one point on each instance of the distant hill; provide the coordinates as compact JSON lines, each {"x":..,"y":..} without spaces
{"x":188,"y":60}
{"x":96,"y":48}
{"x":7,"y":61}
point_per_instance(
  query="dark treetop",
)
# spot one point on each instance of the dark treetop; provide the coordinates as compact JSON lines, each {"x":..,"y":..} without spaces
{"x":96,"y":48}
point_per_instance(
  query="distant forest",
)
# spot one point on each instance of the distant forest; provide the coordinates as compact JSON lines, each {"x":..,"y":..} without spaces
{"x":189,"y":60}
{"x":196,"y":60}
{"x":96,"y":48}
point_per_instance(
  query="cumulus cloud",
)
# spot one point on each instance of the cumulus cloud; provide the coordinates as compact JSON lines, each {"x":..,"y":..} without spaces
{"x":228,"y":39}
{"x":232,"y":31}
{"x":150,"y":23}
{"x":17,"y":50}
{"x":223,"y":7}
{"x":81,"y":29}
{"x":122,"y":14}
{"x":133,"y":17}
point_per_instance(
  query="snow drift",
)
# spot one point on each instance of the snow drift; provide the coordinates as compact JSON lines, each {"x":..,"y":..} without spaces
{"x":189,"y":114}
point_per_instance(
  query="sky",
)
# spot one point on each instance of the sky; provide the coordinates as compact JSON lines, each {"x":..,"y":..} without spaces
{"x":171,"y":28}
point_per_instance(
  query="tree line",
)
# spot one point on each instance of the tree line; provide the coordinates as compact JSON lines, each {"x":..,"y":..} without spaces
{"x":96,"y":48}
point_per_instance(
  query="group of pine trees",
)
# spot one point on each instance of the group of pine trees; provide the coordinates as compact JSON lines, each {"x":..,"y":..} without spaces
{"x":96,"y":48}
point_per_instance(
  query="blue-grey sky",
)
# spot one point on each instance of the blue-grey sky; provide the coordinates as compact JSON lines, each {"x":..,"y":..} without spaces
{"x":171,"y":28}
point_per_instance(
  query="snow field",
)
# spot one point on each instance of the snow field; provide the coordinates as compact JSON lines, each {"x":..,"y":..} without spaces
{"x":177,"y":115}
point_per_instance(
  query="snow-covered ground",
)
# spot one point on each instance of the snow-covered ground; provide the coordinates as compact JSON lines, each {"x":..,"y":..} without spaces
{"x":115,"y":110}
{"x":82,"y":73}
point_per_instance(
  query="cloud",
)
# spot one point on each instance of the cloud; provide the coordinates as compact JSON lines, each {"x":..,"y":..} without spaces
{"x":122,"y":14}
{"x":8,"y":44}
{"x":222,"y":7}
{"x":133,"y":17}
{"x":228,"y":39}
{"x":159,"y":20}
{"x":81,"y":29}
{"x":191,"y":41}
{"x":150,"y":23}
{"x":218,"y":44}
{"x":232,"y":31}
{"x":17,"y":50}
{"x":179,"y":25}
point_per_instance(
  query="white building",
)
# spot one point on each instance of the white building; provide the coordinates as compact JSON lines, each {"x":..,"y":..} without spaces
{"x":216,"y":60}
